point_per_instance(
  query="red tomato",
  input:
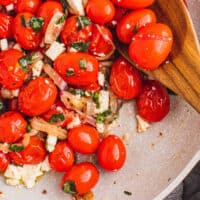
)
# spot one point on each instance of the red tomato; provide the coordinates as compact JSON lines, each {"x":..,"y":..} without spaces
{"x":37,"y":97}
{"x":77,"y":69}
{"x":100,"y":11}
{"x":5,"y":25}
{"x":12,"y":127}
{"x":4,"y":161}
{"x":32,"y":154}
{"x":125,"y":80}
{"x":27,"y":6}
{"x":62,"y":158}
{"x":129,"y":25}
{"x":6,"y":2}
{"x":12,"y":76}
{"x":83,"y":139}
{"x":80,"y":178}
{"x":111,"y":153}
{"x":133,"y":4}
{"x":153,"y":103}
{"x":30,"y":39}
{"x":151,"y":46}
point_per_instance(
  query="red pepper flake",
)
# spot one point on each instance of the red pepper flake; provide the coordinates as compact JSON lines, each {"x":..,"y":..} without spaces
{"x":44,"y":192}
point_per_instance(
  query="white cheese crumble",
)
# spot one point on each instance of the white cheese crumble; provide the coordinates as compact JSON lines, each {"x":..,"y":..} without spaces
{"x":75,"y":122}
{"x":101,"y":79}
{"x":103,"y":102}
{"x":51,"y":143}
{"x":76,"y":7}
{"x":142,"y":125}
{"x":37,"y":68}
{"x":4,"y":44}
{"x":17,"y":47}
{"x":10,"y":7}
{"x":100,"y":127}
{"x":9,"y":94}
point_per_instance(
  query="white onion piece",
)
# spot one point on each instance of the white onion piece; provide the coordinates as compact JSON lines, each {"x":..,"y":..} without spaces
{"x":76,"y":7}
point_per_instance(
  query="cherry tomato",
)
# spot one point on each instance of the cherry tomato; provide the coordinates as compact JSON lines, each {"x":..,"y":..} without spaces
{"x":6,"y":2}
{"x":37,"y":97}
{"x":5,"y":25}
{"x":80,"y":178}
{"x":12,"y":127}
{"x":153,"y":103}
{"x":100,"y":11}
{"x":132,"y":22}
{"x":4,"y":161}
{"x":133,"y":4}
{"x":12,"y":76}
{"x":84,"y":139}
{"x":27,"y":6}
{"x":33,"y":153}
{"x":77,"y":69}
{"x":151,"y":45}
{"x":111,"y":153}
{"x":30,"y":39}
{"x":62,"y":158}
{"x":125,"y":80}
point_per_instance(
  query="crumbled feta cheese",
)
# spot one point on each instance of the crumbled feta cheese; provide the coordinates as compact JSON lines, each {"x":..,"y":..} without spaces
{"x":103,"y":102}
{"x":37,"y":68}
{"x":76,"y":7}
{"x":4,"y":44}
{"x":100,"y":127}
{"x":55,"y":50}
{"x":75,"y":122}
{"x":51,"y":143}
{"x":13,"y":172}
{"x":17,"y":46}
{"x":101,"y":79}
{"x":10,"y":7}
{"x":142,"y":125}
{"x":9,"y":94}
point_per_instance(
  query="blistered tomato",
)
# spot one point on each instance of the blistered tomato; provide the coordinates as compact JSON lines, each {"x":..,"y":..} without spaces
{"x":6,"y":2}
{"x":5,"y":25}
{"x":4,"y":161}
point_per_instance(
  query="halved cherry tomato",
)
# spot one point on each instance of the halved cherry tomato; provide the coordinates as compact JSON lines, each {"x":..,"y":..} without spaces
{"x":131,"y":23}
{"x":32,"y":154}
{"x":6,"y":2}
{"x":125,"y":80}
{"x":12,"y":75}
{"x":151,"y":45}
{"x":153,"y":103}
{"x":80,"y":178}
{"x":111,"y":153}
{"x":83,"y":139}
{"x":4,"y":161}
{"x":12,"y":127}
{"x":30,"y":39}
{"x":77,"y":69}
{"x":133,"y":4}
{"x":100,"y":11}
{"x":37,"y":97}
{"x":5,"y":25}
{"x":62,"y":158}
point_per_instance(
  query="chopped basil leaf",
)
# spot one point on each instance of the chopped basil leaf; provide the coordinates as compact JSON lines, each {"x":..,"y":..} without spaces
{"x":95,"y":98}
{"x":69,"y":187}
{"x":70,"y":72}
{"x":83,"y":21}
{"x":82,"y":64}
{"x":128,"y":193}
{"x":36,"y":23}
{"x":23,"y":21}
{"x":2,"y":106}
{"x":78,"y":92}
{"x":25,"y":61}
{"x":16,"y":148}
{"x":61,"y":20}
{"x":57,"y":118}
{"x":80,"y":46}
{"x":135,"y":29}
{"x":101,"y":117}
{"x":28,"y":128}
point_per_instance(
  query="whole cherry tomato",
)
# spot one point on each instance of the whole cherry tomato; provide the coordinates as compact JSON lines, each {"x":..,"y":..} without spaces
{"x":33,"y":153}
{"x":5,"y":25}
{"x":37,"y":97}
{"x":77,"y":69}
{"x":125,"y":80}
{"x":151,"y":45}
{"x":4,"y":161}
{"x":27,"y":6}
{"x":6,"y":2}
{"x":153,"y":103}
{"x":133,"y":4}
{"x":111,"y":153}
{"x":80,"y":178}
{"x":83,"y":139}
{"x":100,"y":11}
{"x":12,"y":127}
{"x":62,"y":158}
{"x":12,"y":75}
{"x":30,"y":26}
{"x":131,"y":23}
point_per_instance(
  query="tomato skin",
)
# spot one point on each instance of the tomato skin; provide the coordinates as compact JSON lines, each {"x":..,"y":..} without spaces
{"x":5,"y":25}
{"x":80,"y":77}
{"x":125,"y":80}
{"x":11,"y":74}
{"x":4,"y":161}
{"x":151,"y":45}
{"x":111,"y":153}
{"x":100,"y":11}
{"x":153,"y":103}
{"x":6,"y":2}
{"x":30,"y":39}
{"x":133,"y":21}
{"x":32,"y":154}
{"x":84,"y":139}
{"x":84,"y":175}
{"x":12,"y":127}
{"x":37,"y":97}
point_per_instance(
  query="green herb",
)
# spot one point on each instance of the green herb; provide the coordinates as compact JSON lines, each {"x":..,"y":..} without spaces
{"x":83,"y":21}
{"x":78,"y":92}
{"x":2,"y":106}
{"x":128,"y":193}
{"x":135,"y":29}
{"x":170,"y":92}
{"x":95,"y":98}
{"x":70,"y":72}
{"x":28,"y":128}
{"x":80,"y":46}
{"x":101,"y":117}
{"x":23,"y":21}
{"x":61,"y":20}
{"x":25,"y":61}
{"x":57,"y":118}
{"x":69,"y":187}
{"x":16,"y":148}
{"x":36,"y":23}
{"x":82,"y":64}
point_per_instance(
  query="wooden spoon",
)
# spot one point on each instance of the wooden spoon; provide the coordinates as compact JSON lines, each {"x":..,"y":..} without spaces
{"x":182,"y":72}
